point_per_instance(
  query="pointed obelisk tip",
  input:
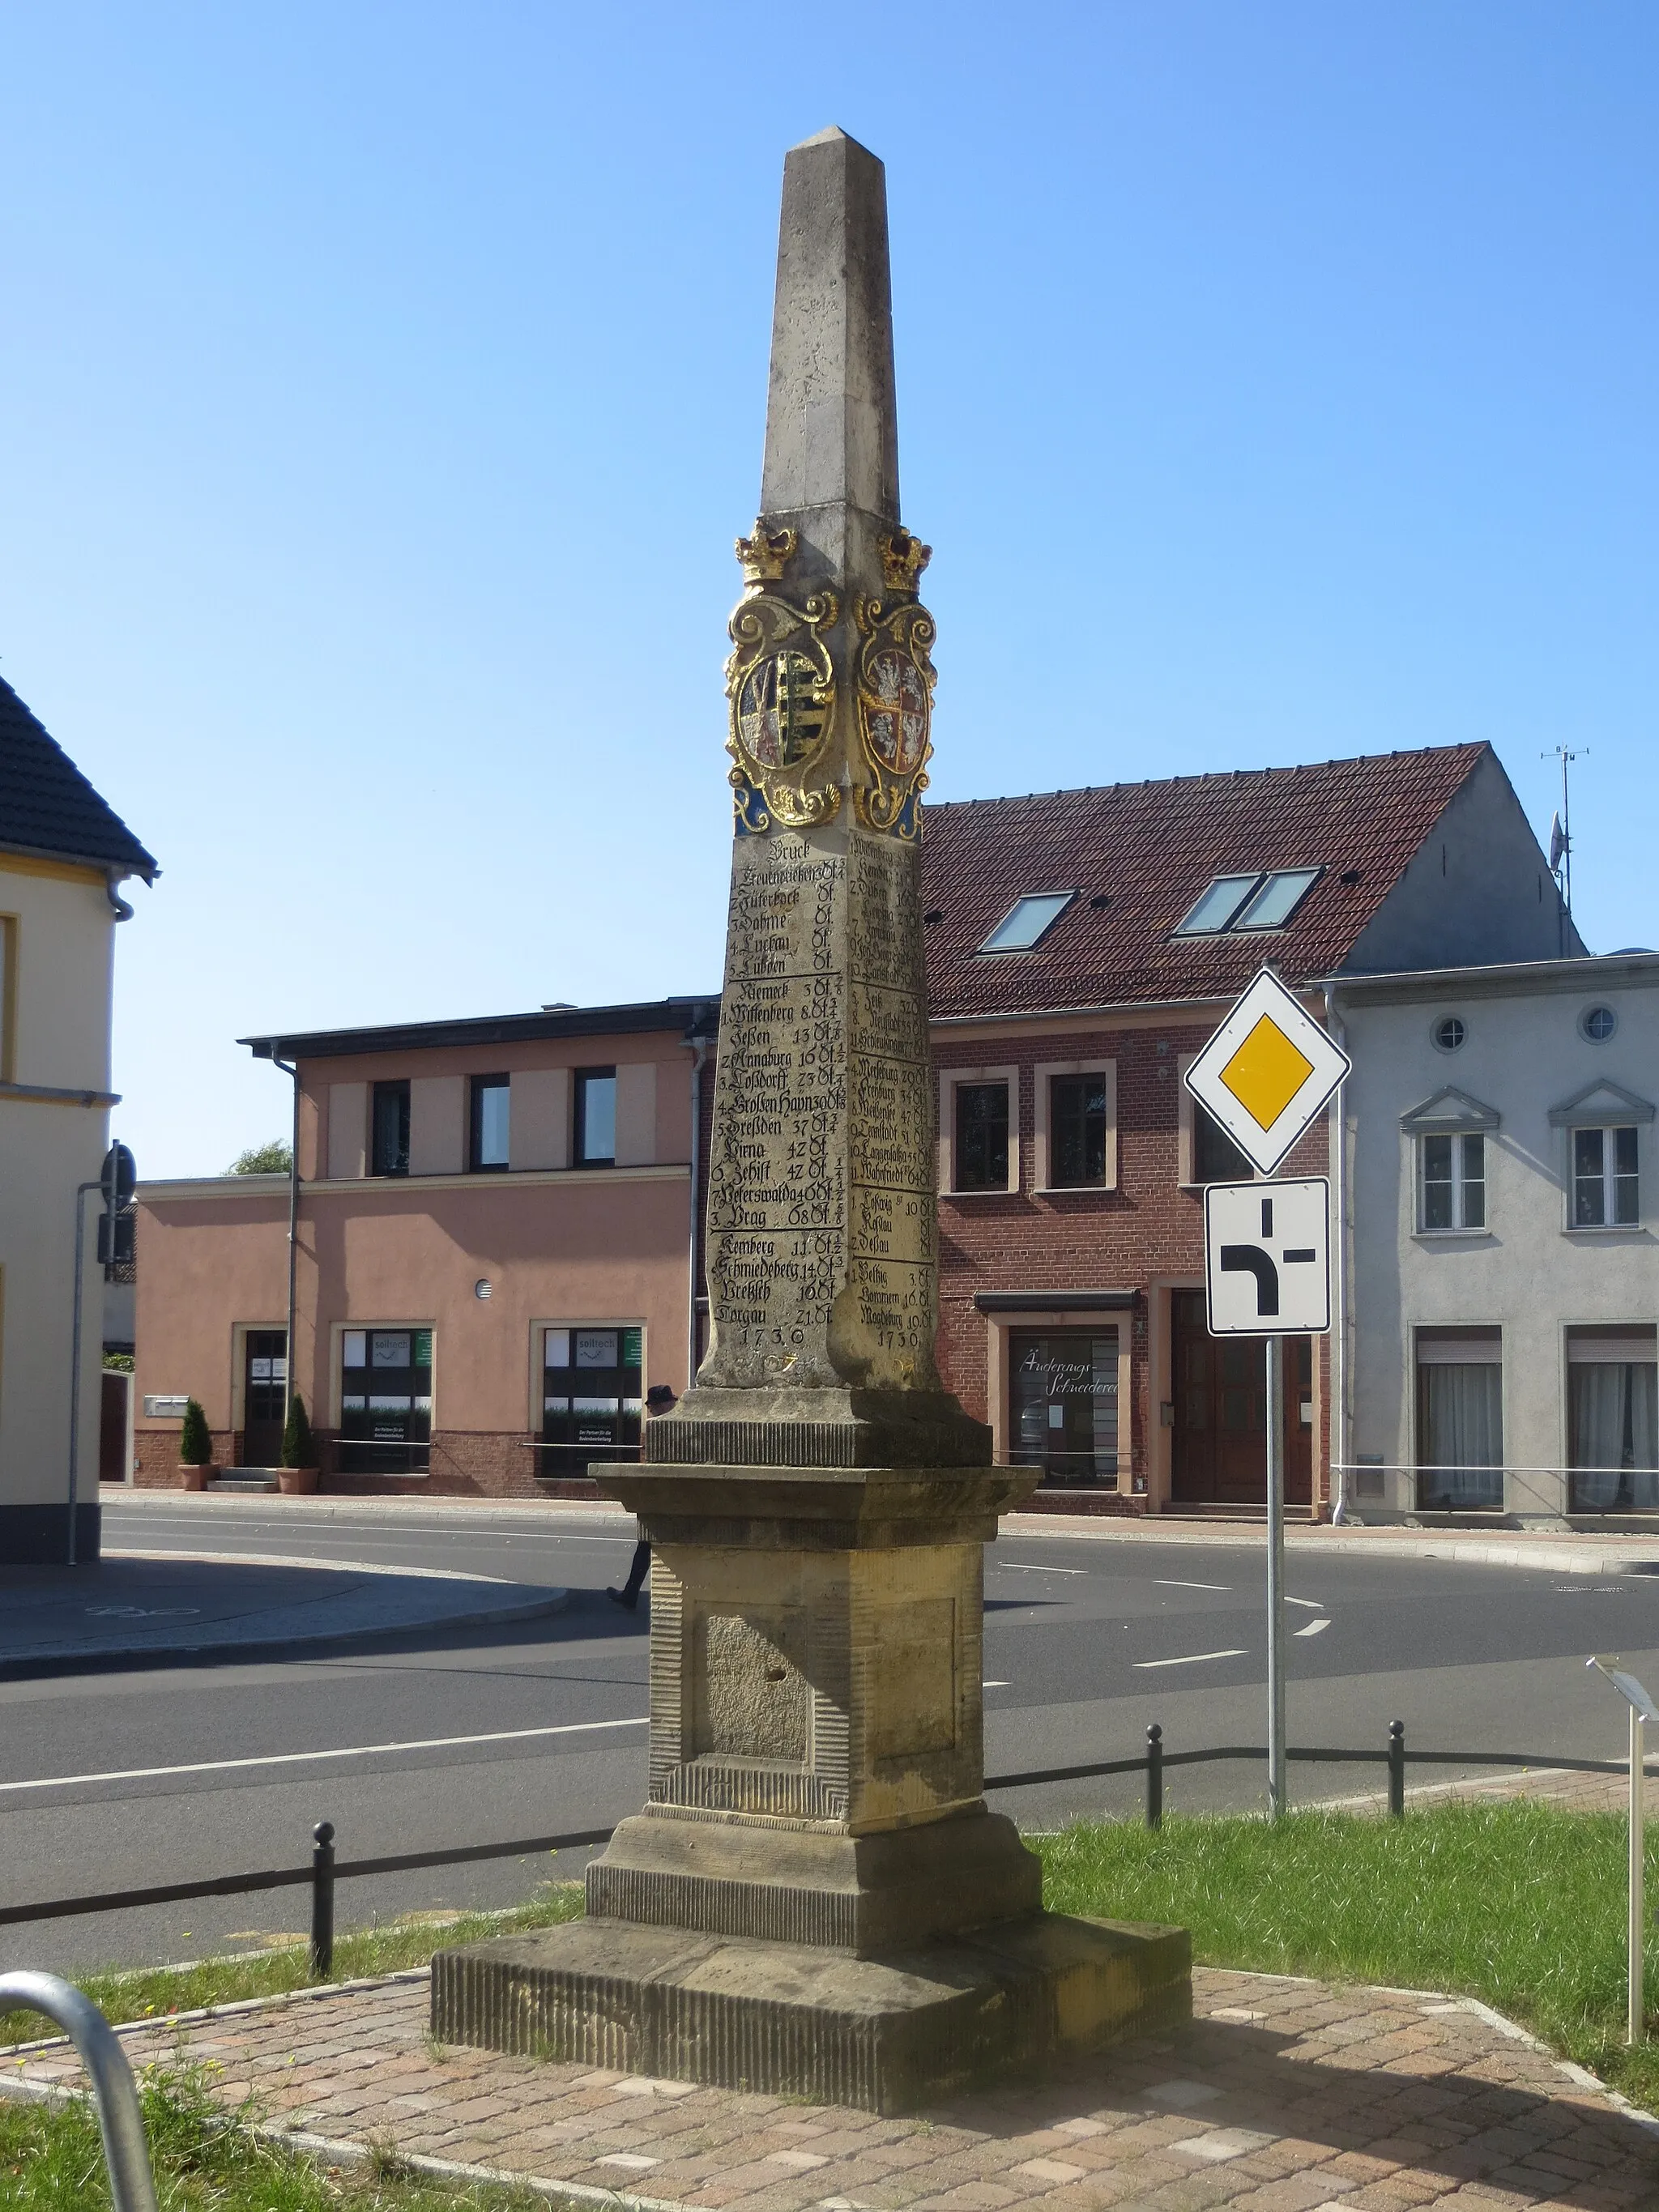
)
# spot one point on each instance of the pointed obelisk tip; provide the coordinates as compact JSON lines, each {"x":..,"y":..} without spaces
{"x":831,"y":426}
{"x":833,"y":135}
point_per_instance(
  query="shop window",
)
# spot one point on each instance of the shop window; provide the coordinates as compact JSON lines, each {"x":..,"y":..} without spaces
{"x":1451,"y":1182}
{"x":981,"y":1136}
{"x":1612,"y":1419}
{"x":488,"y":1144}
{"x":386,"y":1401}
{"x":1077,"y":1130}
{"x":389,"y":1151}
{"x":596,"y":1117}
{"x":1460,"y":1419}
{"x":1063,"y":1413}
{"x":1606,"y":1185}
{"x":592,"y":1398}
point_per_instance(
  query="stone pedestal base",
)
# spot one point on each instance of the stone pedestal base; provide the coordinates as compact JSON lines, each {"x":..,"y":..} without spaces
{"x":884,"y":2034}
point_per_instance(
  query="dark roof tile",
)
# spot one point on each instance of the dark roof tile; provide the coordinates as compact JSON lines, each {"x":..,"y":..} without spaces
{"x":46,"y":805}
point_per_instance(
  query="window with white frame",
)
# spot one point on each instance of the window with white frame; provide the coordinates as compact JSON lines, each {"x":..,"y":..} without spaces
{"x":1451,"y":1181}
{"x":1605,"y":1180}
{"x":1460,"y":1419}
{"x":1612,"y":1418}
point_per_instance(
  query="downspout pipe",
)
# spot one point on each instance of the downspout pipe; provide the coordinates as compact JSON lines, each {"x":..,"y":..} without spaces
{"x":699,"y":1043}
{"x":1340,"y":1301}
{"x":290,"y":1068}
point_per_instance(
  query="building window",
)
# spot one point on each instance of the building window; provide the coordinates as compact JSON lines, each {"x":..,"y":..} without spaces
{"x":981,"y":1132}
{"x":1077,"y":1130}
{"x":1216,"y":1158}
{"x":1449,"y":1033}
{"x":1460,"y":1419}
{"x":1063,"y":1404}
{"x":1597,"y":1023}
{"x":1451,"y":1182}
{"x":1029,"y":918}
{"x":389,"y":1154}
{"x":488,"y":1144}
{"x":591,"y":1397}
{"x":1605,"y":1189}
{"x":1261,"y":901}
{"x":386,"y":1401}
{"x":1612,"y":1419}
{"x":596,"y":1117}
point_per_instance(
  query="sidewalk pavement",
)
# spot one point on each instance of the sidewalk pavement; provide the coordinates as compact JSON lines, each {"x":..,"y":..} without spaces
{"x":128,"y":1604}
{"x":1554,"y":1551}
{"x":1286,"y":2095}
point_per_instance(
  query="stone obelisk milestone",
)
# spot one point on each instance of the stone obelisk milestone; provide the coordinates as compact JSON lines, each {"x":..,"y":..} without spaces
{"x":815,"y":1899}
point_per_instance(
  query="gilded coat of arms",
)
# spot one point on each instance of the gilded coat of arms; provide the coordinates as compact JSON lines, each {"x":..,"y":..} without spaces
{"x":780,"y":686}
{"x":895,"y":681}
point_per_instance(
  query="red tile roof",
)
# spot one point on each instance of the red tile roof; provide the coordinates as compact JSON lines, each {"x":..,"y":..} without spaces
{"x":1150,"y":849}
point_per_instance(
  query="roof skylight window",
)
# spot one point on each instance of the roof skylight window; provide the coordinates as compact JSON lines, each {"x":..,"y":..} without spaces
{"x":1026,"y":921}
{"x":1256,"y":902}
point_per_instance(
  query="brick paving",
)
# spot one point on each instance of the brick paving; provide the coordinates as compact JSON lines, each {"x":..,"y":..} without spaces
{"x":1286,"y":2096}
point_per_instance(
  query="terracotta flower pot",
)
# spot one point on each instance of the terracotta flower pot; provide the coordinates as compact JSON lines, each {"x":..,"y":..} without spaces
{"x":192,"y":1478}
{"x":297,"y":1481}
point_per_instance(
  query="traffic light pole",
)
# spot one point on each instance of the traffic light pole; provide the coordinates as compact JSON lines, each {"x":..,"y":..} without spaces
{"x":1277,"y":1804}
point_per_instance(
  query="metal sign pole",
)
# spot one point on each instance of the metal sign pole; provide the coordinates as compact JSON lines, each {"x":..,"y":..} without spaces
{"x":1276,"y":1798}
{"x":1637,"y":1933}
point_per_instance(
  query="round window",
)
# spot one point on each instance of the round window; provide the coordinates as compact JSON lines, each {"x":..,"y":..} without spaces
{"x":1598,"y":1023}
{"x":1450,"y":1032}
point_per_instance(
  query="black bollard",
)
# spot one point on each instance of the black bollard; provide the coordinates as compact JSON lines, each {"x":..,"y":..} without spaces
{"x":1397,"y":1770}
{"x":322,"y":1901}
{"x":1154,"y":1776}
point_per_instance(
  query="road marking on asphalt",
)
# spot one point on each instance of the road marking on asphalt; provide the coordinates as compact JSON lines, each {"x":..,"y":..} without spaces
{"x":1193,"y":1658}
{"x":1313,"y":1628}
{"x":300,"y":1758}
{"x":993,"y":1686}
{"x":1167,"y":1582}
{"x":1026,"y":1567}
{"x":1312,"y":1604}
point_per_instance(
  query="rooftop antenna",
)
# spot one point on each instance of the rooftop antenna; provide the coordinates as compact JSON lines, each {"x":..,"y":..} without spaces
{"x":1561,"y":827}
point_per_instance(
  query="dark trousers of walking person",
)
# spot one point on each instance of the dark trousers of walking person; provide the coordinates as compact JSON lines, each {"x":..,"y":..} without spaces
{"x":629,"y":1594}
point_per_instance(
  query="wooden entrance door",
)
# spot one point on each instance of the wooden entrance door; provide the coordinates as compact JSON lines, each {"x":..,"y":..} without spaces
{"x":264,"y":1391}
{"x":1219,"y":1454}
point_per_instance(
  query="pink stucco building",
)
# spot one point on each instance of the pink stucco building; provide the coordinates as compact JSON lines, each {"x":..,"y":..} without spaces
{"x":490,"y":1257}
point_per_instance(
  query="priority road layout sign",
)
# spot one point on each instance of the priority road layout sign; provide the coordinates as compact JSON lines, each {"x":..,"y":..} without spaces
{"x":1266,"y":1073}
{"x":1267,"y":1258}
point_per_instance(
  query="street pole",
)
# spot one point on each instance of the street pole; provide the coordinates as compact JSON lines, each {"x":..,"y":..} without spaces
{"x":1637,"y":1932}
{"x":73,"y":1558}
{"x":1277,"y":1803}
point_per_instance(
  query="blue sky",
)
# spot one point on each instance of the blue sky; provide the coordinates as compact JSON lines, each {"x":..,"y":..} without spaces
{"x":384,"y":387}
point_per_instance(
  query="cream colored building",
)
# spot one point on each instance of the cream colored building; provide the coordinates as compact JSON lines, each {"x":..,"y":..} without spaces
{"x":64,"y":855}
{"x":1500,"y":1285}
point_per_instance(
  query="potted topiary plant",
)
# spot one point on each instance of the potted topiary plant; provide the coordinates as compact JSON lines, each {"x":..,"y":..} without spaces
{"x":297,"y":1475}
{"x":195,"y":1448}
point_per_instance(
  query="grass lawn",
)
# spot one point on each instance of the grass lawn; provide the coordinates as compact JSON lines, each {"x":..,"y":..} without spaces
{"x":1521,"y":1903}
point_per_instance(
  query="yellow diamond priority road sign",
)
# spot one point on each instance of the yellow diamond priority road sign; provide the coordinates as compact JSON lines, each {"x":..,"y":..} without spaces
{"x":1266,"y":1073}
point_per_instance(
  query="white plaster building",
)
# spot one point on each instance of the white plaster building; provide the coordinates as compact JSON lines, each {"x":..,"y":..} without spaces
{"x":1500,"y":1189}
{"x":63,"y":854}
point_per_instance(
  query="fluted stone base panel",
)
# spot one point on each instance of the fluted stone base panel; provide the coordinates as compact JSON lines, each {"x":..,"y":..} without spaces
{"x":885,"y":2035}
{"x":789,"y":1885}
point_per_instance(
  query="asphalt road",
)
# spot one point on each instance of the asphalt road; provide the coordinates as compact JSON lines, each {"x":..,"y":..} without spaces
{"x":170,"y":1771}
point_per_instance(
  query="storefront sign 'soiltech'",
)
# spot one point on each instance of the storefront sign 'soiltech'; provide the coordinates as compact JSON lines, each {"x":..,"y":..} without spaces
{"x":814,"y":1899}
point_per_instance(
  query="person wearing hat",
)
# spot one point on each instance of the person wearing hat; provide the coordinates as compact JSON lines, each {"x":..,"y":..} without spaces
{"x":659,"y":1399}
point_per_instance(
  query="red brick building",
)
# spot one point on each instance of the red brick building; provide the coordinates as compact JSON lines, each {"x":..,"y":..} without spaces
{"x":1081,"y":946}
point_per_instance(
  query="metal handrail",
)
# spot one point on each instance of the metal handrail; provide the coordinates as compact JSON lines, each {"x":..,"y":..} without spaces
{"x":120,"y":2123}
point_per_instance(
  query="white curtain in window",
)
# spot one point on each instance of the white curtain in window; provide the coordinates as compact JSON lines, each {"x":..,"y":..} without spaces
{"x":1600,"y":1401}
{"x":1462,"y":1433}
{"x":1644,"y":1434}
